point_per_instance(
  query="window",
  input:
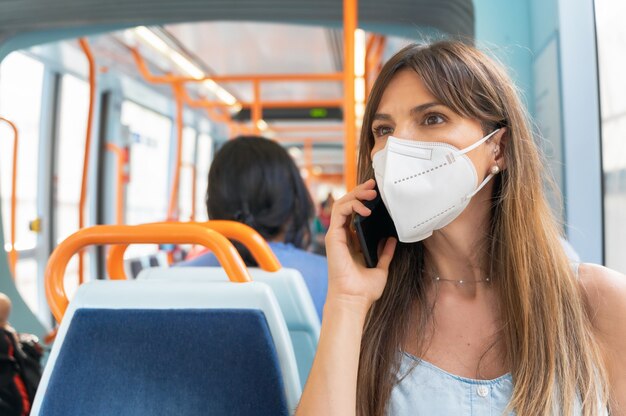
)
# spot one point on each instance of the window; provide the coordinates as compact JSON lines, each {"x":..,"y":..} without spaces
{"x":612,"y":60}
{"x":73,"y":112}
{"x":147,"y":191}
{"x":74,"y":106}
{"x":21,"y":79}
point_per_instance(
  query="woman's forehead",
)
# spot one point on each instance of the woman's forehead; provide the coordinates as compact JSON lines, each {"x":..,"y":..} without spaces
{"x":405,"y":91}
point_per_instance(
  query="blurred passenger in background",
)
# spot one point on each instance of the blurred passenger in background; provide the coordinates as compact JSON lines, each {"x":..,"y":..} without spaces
{"x":20,"y":368}
{"x":321,"y":223}
{"x":253,"y":180}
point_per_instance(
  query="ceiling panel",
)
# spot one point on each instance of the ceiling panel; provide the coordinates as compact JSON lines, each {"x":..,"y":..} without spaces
{"x":229,"y":48}
{"x":393,"y":17}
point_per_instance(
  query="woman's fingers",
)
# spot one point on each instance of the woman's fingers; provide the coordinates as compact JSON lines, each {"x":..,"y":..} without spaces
{"x":365,"y":194}
{"x":364,"y":191}
{"x":352,"y":203}
{"x":344,"y":210}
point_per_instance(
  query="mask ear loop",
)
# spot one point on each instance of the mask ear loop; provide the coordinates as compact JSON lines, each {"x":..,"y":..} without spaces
{"x":478,"y":143}
{"x":482,"y":184}
{"x":469,"y":149}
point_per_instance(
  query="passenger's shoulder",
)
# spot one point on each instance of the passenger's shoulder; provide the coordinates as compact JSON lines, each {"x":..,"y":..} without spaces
{"x":203,"y":260}
{"x":302,"y":260}
{"x":605,"y":296}
{"x":310,"y":257}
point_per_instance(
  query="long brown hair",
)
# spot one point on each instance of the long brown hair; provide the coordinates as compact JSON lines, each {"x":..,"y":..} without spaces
{"x":546,"y":330}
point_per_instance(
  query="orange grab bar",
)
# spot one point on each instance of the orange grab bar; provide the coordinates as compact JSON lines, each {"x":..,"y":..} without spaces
{"x":122,"y":157}
{"x":144,"y":234}
{"x":257,"y":109}
{"x":305,"y":129}
{"x":172,"y":210}
{"x":194,"y":177}
{"x":350,"y":9}
{"x":166,"y":79}
{"x":13,"y":252}
{"x":83,"y":188}
{"x":246,"y":235}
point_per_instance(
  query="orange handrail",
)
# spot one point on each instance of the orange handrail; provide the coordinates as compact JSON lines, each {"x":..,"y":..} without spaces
{"x":305,"y":129}
{"x":167,"y":79}
{"x":246,"y":235}
{"x":202,"y":103}
{"x":350,"y":15}
{"x":257,"y":104}
{"x":308,"y":161}
{"x":172,"y":209}
{"x":12,"y":256}
{"x":373,"y":60}
{"x":83,"y":188}
{"x":119,"y":188}
{"x":321,"y":139}
{"x":144,"y":234}
{"x":194,"y":177}
{"x":350,"y":9}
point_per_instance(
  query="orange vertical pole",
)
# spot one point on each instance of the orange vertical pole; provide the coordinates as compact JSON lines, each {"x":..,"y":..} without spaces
{"x":13,"y":252}
{"x":194,"y":173}
{"x":119,"y":189}
{"x":83,"y":189}
{"x":373,"y":62}
{"x":308,"y":159}
{"x":173,"y":206}
{"x":257,"y":111}
{"x":350,"y":15}
{"x":371,"y":41}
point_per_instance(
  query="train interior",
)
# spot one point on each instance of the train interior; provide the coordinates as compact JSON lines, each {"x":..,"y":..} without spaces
{"x":117,"y":108}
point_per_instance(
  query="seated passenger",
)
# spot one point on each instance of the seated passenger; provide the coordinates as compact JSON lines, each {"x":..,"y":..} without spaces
{"x":253,"y":180}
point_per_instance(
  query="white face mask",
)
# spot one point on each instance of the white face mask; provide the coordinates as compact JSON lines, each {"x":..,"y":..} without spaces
{"x":425,"y":185}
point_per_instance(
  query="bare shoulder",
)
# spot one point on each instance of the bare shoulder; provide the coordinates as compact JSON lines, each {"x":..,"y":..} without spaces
{"x":605,"y":295}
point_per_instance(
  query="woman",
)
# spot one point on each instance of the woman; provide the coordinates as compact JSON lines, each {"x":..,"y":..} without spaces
{"x":253,"y":180}
{"x":477,"y":310}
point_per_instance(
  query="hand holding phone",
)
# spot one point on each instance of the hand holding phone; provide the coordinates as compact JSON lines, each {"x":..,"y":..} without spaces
{"x":371,"y":230}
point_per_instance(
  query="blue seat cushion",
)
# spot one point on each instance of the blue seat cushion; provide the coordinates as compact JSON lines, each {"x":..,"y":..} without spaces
{"x":166,"y":362}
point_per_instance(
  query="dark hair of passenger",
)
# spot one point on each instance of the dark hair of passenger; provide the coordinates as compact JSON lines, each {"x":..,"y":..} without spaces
{"x":255,"y":181}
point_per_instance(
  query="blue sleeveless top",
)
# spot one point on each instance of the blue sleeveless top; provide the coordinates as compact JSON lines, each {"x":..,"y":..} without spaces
{"x":426,"y":390}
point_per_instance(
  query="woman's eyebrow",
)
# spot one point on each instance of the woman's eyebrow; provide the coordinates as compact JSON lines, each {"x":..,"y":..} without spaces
{"x":422,"y":107}
{"x":381,"y":116}
{"x":415,"y":110}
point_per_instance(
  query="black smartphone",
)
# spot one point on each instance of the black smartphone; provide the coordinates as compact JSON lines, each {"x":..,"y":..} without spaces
{"x":374,"y":228}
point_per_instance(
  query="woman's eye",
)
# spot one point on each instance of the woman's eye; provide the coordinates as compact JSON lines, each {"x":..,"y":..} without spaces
{"x":433,"y":119}
{"x":381,"y":131}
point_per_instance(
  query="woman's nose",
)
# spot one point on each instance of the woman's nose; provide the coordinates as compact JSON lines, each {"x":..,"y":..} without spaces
{"x":404,"y":132}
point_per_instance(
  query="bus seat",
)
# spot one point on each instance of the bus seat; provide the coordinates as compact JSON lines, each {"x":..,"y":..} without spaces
{"x":290,"y":291}
{"x":161,"y":347}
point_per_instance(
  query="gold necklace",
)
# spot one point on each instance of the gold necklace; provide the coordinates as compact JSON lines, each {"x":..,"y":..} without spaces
{"x":439,"y":279}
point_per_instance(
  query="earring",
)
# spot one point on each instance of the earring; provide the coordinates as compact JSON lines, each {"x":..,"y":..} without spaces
{"x":495,"y":170}
{"x":496,"y":149}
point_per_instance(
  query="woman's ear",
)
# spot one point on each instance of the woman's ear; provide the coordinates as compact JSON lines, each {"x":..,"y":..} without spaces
{"x":500,"y":141}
